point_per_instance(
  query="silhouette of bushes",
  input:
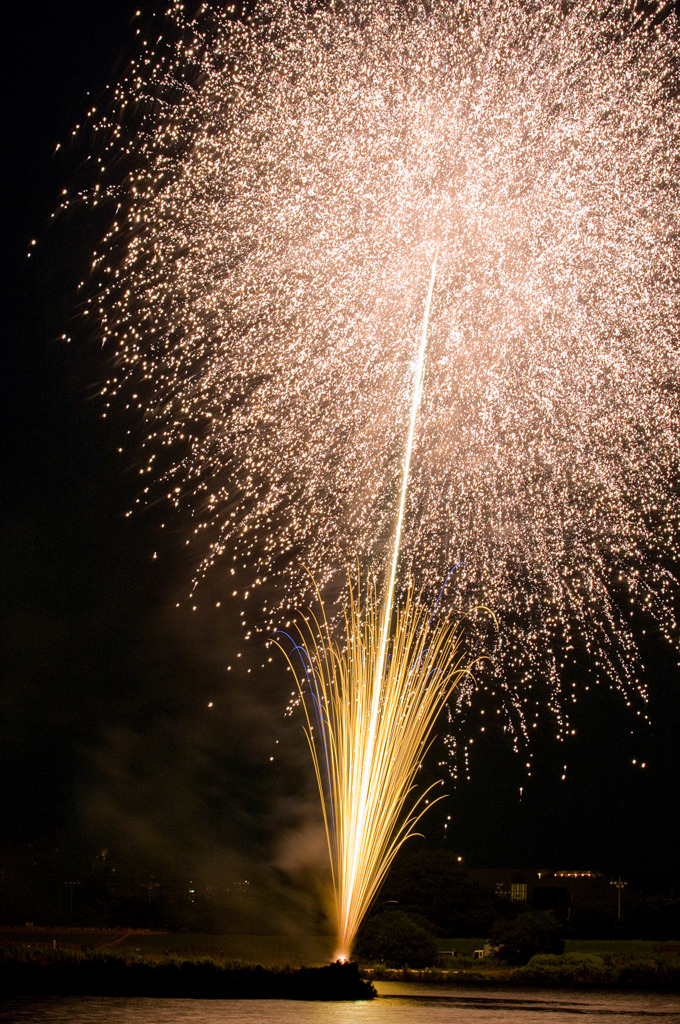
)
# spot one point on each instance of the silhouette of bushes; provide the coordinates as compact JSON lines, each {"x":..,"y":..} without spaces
{"x":587,"y":969}
{"x":66,"y":972}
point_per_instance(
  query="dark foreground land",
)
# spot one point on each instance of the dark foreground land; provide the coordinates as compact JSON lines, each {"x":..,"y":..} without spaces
{"x":49,"y":971}
{"x":40,"y":961}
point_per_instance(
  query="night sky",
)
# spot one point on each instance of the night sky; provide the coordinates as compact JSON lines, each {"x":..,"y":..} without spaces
{"x":106,"y":734}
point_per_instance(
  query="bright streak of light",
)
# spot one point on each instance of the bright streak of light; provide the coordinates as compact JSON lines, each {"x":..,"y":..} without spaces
{"x":377,"y":695}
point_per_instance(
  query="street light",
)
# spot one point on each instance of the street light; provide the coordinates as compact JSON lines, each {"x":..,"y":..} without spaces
{"x":71,"y":886}
{"x":619,"y":886}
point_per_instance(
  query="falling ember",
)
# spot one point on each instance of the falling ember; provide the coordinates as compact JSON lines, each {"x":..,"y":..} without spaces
{"x":289,"y":177}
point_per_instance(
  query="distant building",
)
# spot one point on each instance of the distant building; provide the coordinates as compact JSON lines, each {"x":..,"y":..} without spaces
{"x":586,"y":900}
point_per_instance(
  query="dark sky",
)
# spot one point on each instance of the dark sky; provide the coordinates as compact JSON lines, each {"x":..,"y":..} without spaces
{"x":106,"y":734}
{"x":60,"y":487}
{"x":105,"y":731}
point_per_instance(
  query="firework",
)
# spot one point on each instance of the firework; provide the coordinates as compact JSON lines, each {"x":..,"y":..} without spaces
{"x":291,"y":175}
{"x":368,"y":724}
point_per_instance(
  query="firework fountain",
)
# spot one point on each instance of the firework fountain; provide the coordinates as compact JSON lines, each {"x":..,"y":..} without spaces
{"x":291,"y":174}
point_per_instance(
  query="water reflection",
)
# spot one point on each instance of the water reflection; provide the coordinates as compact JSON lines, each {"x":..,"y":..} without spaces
{"x":398,"y":1004}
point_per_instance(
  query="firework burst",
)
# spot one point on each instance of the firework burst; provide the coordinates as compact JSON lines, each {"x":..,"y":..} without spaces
{"x":292,"y":174}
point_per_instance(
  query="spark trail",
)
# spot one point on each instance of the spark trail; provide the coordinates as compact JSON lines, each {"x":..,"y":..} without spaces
{"x":289,"y":175}
{"x":378,"y":689}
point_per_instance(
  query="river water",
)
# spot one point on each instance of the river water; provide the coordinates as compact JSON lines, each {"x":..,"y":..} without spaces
{"x":398,"y":1003}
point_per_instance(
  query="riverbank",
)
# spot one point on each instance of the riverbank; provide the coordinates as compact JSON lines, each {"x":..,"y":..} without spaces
{"x":47,"y":971}
{"x":657,"y":972}
{"x":222,"y":966}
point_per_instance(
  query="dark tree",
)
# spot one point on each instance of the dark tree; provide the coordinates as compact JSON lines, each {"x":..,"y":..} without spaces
{"x":530,"y":933}
{"x":395,"y":939}
{"x":433,"y":884}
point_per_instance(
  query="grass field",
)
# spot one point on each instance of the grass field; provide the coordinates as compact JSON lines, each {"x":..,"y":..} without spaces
{"x":623,"y":947}
{"x":269,"y":950}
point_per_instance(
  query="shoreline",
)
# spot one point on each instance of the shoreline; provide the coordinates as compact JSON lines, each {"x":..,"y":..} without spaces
{"x":572,"y":971}
{"x":114,"y":962}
